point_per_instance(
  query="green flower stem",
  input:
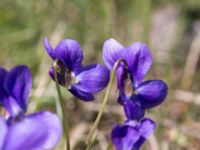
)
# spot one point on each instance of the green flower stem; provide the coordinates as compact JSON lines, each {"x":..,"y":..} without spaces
{"x":105,"y":100}
{"x":63,"y":106}
{"x":93,"y":142}
{"x":109,"y":146}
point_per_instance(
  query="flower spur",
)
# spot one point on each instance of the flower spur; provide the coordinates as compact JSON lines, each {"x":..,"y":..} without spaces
{"x":40,"y":130}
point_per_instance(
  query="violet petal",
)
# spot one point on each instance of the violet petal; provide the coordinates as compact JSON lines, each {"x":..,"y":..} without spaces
{"x":152,"y":93}
{"x":121,"y":74}
{"x":133,"y":109}
{"x":132,"y":134}
{"x":3,"y":133}
{"x":124,"y":137}
{"x":18,"y":84}
{"x":111,"y":52}
{"x":80,"y":94}
{"x":70,"y":53}
{"x":147,"y":127}
{"x":12,"y":106}
{"x":139,"y":59}
{"x":37,"y":131}
{"x":93,"y":78}
{"x":49,"y":49}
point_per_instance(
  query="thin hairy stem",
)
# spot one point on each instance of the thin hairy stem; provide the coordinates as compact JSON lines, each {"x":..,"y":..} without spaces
{"x":63,"y":107}
{"x":93,"y":142}
{"x":105,"y":100}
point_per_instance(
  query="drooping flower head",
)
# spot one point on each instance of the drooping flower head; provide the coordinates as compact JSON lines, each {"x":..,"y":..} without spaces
{"x":40,"y":130}
{"x":81,"y":81}
{"x":132,"y":134}
{"x":135,"y":95}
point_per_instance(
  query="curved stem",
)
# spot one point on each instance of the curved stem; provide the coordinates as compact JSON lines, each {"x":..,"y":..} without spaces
{"x":105,"y":100}
{"x":63,"y":106}
{"x":93,"y":142}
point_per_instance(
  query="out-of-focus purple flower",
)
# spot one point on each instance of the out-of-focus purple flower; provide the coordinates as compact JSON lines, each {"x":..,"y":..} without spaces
{"x":132,"y":134}
{"x":81,"y":81}
{"x":40,"y":130}
{"x":135,"y":95}
{"x":15,"y":87}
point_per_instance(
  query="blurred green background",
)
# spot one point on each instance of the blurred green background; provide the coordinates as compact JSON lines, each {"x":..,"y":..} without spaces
{"x":170,"y":28}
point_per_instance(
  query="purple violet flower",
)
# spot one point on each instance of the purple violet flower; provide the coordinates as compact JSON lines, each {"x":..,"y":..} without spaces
{"x":81,"y":81}
{"x":132,"y":134}
{"x":40,"y":130}
{"x":135,"y":95}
